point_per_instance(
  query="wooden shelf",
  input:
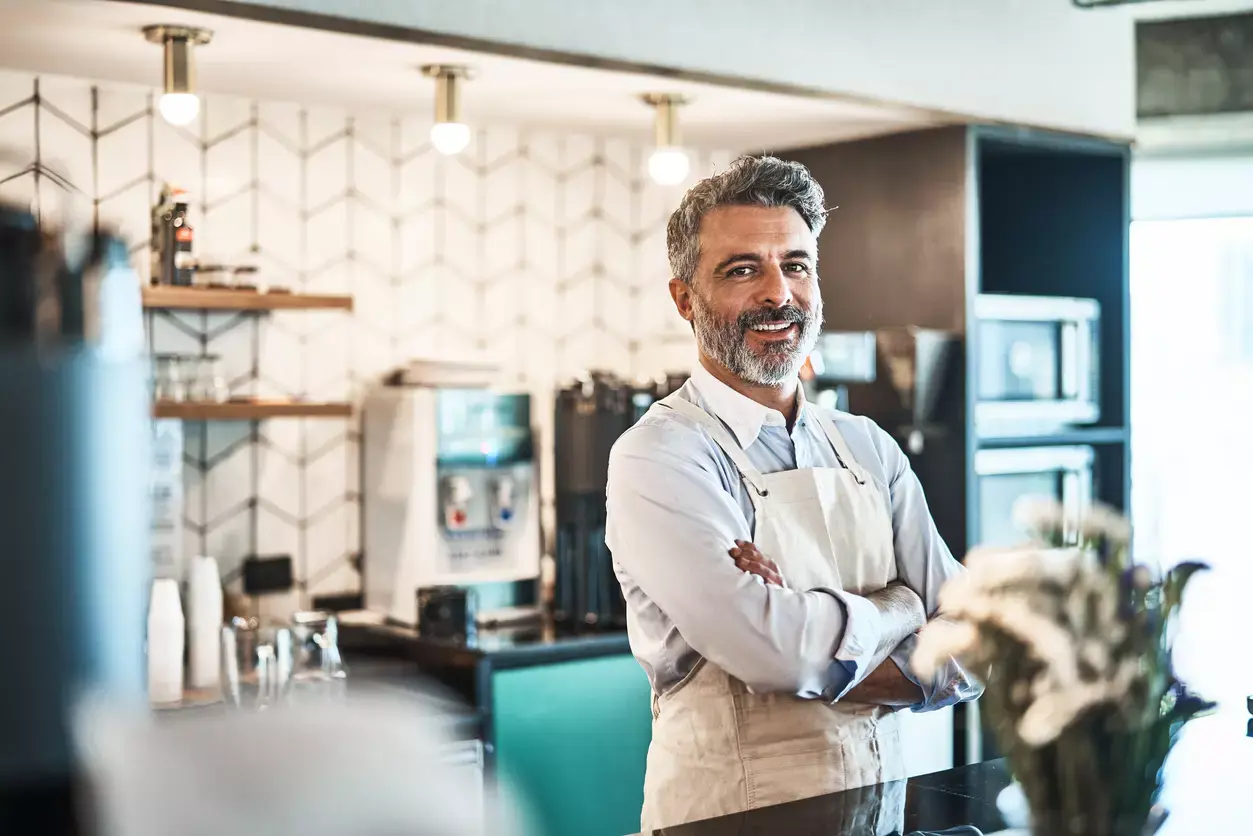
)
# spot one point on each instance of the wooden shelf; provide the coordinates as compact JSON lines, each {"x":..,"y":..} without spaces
{"x":213,"y":299}
{"x":249,"y":410}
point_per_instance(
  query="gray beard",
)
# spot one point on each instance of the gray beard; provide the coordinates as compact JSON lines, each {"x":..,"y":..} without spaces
{"x":726,"y":342}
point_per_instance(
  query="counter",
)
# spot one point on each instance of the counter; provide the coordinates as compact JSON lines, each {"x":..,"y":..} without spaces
{"x":1209,"y":790}
{"x":564,"y":717}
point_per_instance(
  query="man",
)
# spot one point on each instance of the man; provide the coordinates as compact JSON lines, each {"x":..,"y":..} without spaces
{"x":776,"y":557}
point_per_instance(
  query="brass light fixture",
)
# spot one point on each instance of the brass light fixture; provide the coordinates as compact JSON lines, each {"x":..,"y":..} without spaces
{"x":449,"y":135}
{"x":179,"y":103}
{"x":668,"y":165}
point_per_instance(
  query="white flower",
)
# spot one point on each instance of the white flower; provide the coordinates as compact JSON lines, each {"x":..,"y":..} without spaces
{"x":939,"y":641}
{"x":1055,"y":709}
{"x":1103,"y":521}
{"x":1038,"y":513}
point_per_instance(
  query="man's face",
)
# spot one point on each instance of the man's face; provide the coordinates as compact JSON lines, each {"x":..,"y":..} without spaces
{"x":754,"y":300}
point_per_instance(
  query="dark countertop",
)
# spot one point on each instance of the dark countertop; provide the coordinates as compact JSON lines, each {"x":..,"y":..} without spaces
{"x":1209,"y":791}
{"x":541,"y":644}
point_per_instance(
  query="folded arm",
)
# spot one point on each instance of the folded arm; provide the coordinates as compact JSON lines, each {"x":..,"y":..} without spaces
{"x":670,"y":525}
{"x":923,"y":563}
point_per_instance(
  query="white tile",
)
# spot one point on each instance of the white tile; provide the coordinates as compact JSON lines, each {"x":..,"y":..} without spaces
{"x":286,"y":437}
{"x":577,"y":151}
{"x":544,"y":149}
{"x":503,"y":246}
{"x":340,"y":578}
{"x":281,"y":353}
{"x":462,"y":188}
{"x":414,"y":136}
{"x":372,"y":240}
{"x":374,"y":302}
{"x":373,"y":355}
{"x":416,"y":245}
{"x":416,"y":184}
{"x":372,"y":171}
{"x":278,"y":535}
{"x":229,"y":166}
{"x":15,"y":87}
{"x":230,"y":543}
{"x":118,"y":103}
{"x":221,"y":116}
{"x":581,"y":193}
{"x":278,"y":482}
{"x":227,"y":485}
{"x":326,"y":239}
{"x":176,"y":156}
{"x":328,"y":542}
{"x":71,"y":97}
{"x":580,"y":250}
{"x":280,"y":236}
{"x":66,"y":152}
{"x":126,"y":211}
{"x":326,"y":173}
{"x":503,"y":187}
{"x":281,"y":123}
{"x":17,"y":138}
{"x":326,"y":480}
{"x":460,"y":246}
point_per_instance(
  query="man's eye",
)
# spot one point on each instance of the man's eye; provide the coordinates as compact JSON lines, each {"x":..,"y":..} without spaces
{"x":798,"y":267}
{"x":740,"y":272}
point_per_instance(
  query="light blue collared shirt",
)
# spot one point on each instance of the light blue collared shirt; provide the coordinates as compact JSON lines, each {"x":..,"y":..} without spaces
{"x":676,"y":504}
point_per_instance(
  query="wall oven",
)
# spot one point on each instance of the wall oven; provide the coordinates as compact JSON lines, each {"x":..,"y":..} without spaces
{"x":1063,"y":473}
{"x":1036,"y":364}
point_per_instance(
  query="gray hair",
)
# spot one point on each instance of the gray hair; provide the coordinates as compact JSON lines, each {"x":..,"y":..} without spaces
{"x":750,"y":181}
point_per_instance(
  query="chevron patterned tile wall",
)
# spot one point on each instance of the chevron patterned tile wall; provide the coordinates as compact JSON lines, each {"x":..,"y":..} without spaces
{"x":545,"y":251}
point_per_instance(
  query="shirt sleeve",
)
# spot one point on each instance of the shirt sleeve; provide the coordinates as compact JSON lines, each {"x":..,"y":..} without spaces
{"x":924,"y":563}
{"x":670,"y":526}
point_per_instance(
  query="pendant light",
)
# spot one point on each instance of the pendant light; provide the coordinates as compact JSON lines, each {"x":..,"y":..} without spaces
{"x":668,"y":165}
{"x":449,"y":135}
{"x":179,"y":103}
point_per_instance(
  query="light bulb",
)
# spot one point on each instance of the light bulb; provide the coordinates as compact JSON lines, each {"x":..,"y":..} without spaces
{"x":450,"y":137}
{"x":179,"y":108}
{"x":668,"y":166}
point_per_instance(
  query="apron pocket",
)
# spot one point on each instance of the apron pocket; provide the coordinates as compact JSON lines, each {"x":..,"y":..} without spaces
{"x":783,"y":778}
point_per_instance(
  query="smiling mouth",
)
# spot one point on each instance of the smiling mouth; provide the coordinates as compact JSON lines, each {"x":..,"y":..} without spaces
{"x":773,"y":327}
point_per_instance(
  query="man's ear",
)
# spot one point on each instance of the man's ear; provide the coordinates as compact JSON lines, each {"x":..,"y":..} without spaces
{"x":681,"y":293}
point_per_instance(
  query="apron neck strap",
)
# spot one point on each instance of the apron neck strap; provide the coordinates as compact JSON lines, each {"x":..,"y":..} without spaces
{"x":720,"y":436}
{"x":841,"y":447}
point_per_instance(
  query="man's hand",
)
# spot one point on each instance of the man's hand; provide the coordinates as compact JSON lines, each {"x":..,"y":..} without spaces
{"x":749,"y":559}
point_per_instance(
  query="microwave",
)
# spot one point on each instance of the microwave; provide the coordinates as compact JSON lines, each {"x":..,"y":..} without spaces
{"x":1036,"y":364}
{"x":1004,"y":476}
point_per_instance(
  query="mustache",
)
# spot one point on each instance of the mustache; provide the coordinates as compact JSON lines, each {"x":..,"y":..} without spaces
{"x":760,"y":316}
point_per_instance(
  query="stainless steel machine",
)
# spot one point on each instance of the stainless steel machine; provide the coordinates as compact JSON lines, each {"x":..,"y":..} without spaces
{"x":450,"y":491}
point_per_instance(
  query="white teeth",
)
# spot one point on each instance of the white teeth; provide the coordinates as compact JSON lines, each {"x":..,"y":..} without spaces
{"x":778,"y":327}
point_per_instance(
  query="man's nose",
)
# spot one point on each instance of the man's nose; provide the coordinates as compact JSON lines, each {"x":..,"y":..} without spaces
{"x":773,"y":287}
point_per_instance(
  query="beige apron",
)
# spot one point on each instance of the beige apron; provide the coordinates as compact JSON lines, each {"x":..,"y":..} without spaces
{"x":719,"y":749}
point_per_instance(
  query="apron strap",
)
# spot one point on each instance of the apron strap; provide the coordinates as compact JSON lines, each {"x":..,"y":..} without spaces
{"x":841,"y":447}
{"x":720,"y":437}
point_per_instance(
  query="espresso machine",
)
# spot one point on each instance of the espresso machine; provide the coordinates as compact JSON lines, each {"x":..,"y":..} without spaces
{"x":450,"y":493}
{"x":591,"y":413}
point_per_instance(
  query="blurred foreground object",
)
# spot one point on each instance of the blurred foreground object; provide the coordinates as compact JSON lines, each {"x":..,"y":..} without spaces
{"x":374,"y":766}
{"x":73,"y":500}
{"x":1073,"y":642}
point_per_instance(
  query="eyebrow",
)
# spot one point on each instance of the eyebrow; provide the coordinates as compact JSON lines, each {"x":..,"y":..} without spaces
{"x":790,"y":255}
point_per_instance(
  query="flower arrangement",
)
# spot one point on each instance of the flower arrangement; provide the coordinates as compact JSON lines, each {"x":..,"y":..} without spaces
{"x":1072,"y":640}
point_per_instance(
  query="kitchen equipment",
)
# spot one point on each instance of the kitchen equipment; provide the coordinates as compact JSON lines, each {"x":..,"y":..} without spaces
{"x":446,"y":612}
{"x":591,"y":413}
{"x":912,"y":394}
{"x":838,"y":359}
{"x":74,"y":498}
{"x":256,"y":663}
{"x":318,"y":672}
{"x":450,"y":492}
{"x":1036,"y":364}
{"x":1004,"y":476}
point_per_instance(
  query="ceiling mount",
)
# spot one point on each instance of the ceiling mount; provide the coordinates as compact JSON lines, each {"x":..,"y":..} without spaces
{"x":163,"y":33}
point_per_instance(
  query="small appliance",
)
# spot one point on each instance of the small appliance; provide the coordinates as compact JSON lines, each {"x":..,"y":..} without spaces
{"x":1036,"y":364}
{"x":1004,"y":476}
{"x":450,"y":492}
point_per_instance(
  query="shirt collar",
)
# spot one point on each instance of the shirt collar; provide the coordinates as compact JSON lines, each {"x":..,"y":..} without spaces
{"x":742,"y":415}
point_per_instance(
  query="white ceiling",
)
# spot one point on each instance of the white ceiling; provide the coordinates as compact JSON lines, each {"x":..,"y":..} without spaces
{"x":100,"y":39}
